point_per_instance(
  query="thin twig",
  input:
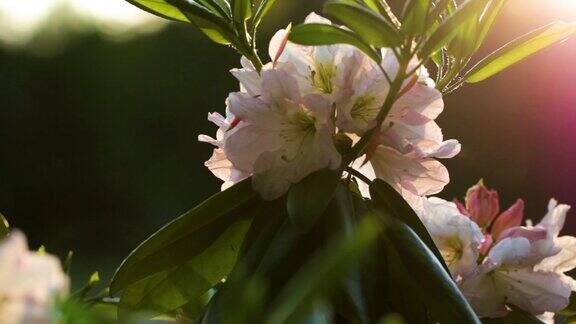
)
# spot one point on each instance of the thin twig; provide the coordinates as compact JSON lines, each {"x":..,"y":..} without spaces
{"x":358,"y":175}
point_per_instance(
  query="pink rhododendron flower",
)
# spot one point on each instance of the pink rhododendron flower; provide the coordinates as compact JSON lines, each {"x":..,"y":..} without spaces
{"x":29,"y":283}
{"x":520,"y":265}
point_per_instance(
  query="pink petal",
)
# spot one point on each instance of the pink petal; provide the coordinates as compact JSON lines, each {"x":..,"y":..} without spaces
{"x":482,"y":204}
{"x":512,"y":217}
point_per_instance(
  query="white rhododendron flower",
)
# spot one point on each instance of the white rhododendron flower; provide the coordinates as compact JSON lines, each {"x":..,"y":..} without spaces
{"x":280,"y":126}
{"x":280,"y":136}
{"x":29,"y":283}
{"x":520,"y":265}
{"x":324,"y":70}
{"x":457,"y":237}
{"x":410,"y":140}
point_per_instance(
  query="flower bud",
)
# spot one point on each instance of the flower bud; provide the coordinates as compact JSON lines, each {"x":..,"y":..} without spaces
{"x":512,"y":217}
{"x":482,"y":204}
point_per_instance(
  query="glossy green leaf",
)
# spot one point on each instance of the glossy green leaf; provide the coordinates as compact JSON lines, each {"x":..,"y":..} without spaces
{"x":491,"y":13}
{"x":186,"y":237}
{"x":210,"y":16}
{"x":241,"y":10}
{"x":219,"y":7}
{"x":384,"y":9}
{"x":344,"y":214}
{"x":322,"y":34}
{"x":416,"y":16}
{"x":438,"y":289}
{"x":211,"y":24}
{"x":263,"y":7}
{"x":370,"y":26}
{"x":308,"y":199}
{"x":519,"y":49}
{"x":170,"y":289}
{"x":390,"y":201}
{"x":4,"y":227}
{"x":322,"y":273}
{"x":451,"y":26}
{"x":403,"y":293}
{"x":439,"y":8}
{"x":161,"y":8}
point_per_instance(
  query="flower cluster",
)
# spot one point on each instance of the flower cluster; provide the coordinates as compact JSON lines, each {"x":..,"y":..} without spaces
{"x":281,"y":125}
{"x":495,"y":260}
{"x":30,"y":282}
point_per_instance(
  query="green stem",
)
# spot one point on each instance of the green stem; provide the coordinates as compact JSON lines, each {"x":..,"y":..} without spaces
{"x":395,"y":88}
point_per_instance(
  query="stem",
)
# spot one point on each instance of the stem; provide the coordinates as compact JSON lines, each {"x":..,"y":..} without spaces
{"x":358,"y":175}
{"x":246,"y":46}
{"x":384,"y":110}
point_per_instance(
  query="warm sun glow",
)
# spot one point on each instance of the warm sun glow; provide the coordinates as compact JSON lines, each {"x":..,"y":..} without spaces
{"x":22,"y":21}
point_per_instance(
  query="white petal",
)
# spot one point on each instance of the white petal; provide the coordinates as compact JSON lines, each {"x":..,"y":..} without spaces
{"x":317,"y":19}
{"x":510,"y":251}
{"x":279,"y":86}
{"x":457,"y":237}
{"x":483,"y":295}
{"x":565,"y":260}
{"x":554,"y":219}
{"x":533,"y":291}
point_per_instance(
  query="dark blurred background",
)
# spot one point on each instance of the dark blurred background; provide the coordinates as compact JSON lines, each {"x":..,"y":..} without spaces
{"x":98,"y":136}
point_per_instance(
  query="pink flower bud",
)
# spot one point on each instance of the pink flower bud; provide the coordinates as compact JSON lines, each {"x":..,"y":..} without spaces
{"x":512,"y":217}
{"x":486,"y":244}
{"x":532,"y":234}
{"x":482,"y":204}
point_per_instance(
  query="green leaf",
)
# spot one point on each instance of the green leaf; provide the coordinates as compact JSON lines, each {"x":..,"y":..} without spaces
{"x":414,"y":21}
{"x":241,"y":10}
{"x":322,"y":273}
{"x":323,"y":34}
{"x":344,"y":214}
{"x":384,"y":9}
{"x":177,"y":286}
{"x":390,"y":201}
{"x":4,"y":227}
{"x":452,"y":26}
{"x":160,"y":8}
{"x":186,"y":237}
{"x":519,"y":49}
{"x":220,"y":7}
{"x":438,"y":290}
{"x":262,"y":10}
{"x":487,"y":20}
{"x":308,"y":199}
{"x":370,"y":26}
{"x":210,"y":23}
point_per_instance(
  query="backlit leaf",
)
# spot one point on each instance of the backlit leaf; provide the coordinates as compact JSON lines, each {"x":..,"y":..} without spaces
{"x":323,"y":34}
{"x":369,"y":25}
{"x":519,"y":49}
